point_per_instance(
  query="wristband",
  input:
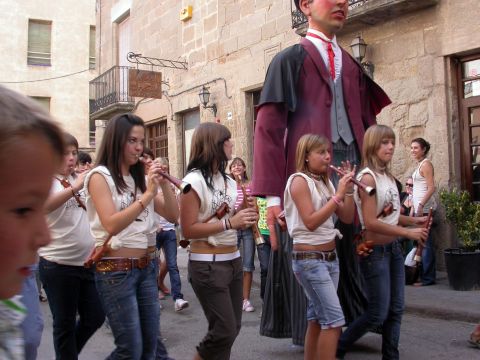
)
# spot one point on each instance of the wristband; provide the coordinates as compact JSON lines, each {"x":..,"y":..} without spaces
{"x":224,"y":224}
{"x":141,"y":203}
{"x":337,"y":200}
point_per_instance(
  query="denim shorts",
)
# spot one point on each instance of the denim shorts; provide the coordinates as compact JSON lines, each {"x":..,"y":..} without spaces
{"x":247,"y":245}
{"x":319,"y":280}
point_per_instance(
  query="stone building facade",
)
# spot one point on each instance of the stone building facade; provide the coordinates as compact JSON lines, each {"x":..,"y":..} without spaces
{"x":418,"y":52}
{"x":63,"y":57}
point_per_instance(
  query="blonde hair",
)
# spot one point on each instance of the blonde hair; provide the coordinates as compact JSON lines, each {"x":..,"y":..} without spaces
{"x":307,"y":143}
{"x":372,"y":141}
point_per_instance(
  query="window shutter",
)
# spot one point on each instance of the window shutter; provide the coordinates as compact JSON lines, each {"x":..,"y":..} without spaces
{"x":91,"y":59}
{"x":39,"y":42}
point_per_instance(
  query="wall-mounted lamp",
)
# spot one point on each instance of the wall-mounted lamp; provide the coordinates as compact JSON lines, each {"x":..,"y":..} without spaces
{"x":359,"y":48}
{"x":204,"y":96}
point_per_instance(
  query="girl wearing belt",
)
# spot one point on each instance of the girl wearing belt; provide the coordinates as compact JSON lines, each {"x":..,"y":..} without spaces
{"x":120,"y":202}
{"x":215,"y":267}
{"x":382,"y":268}
{"x":310,"y":203}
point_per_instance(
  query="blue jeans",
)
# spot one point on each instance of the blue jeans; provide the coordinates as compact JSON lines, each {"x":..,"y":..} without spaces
{"x":384,"y":275}
{"x":245,"y":239}
{"x":32,"y":325}
{"x":70,"y":291}
{"x":319,"y":280}
{"x":427,"y":274}
{"x":168,"y":241}
{"x":263,"y":252}
{"x":130,"y":300}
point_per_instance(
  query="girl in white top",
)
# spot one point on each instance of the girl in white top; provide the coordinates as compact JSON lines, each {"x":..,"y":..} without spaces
{"x":310,"y":203}
{"x":383,"y":267}
{"x":121,"y":202}
{"x":423,"y":200}
{"x":215,"y":267}
{"x":69,"y":286}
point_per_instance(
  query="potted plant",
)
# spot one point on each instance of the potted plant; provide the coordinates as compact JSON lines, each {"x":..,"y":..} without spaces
{"x":463,"y":262}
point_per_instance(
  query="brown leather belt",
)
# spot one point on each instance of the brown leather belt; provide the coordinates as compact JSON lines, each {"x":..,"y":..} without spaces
{"x":122,"y":264}
{"x":321,"y":255}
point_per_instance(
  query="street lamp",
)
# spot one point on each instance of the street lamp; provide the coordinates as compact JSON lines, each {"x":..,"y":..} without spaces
{"x":204,"y":96}
{"x":359,"y":48}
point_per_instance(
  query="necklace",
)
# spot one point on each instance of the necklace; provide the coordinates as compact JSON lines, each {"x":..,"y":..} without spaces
{"x":317,"y":177}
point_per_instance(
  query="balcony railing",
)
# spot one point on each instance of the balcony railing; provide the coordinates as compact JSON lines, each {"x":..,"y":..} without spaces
{"x":109,"y":91}
{"x":362,"y":12}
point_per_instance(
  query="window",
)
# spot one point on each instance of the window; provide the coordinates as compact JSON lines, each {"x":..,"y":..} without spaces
{"x":157,"y":138}
{"x":91,"y":56}
{"x":39,"y":42}
{"x":469,"y":78}
{"x":43,"y":101}
{"x":190,"y":121}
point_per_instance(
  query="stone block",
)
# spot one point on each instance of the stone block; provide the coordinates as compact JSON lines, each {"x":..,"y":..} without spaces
{"x":188,"y":34}
{"x":417,"y":114}
{"x":210,"y":23}
{"x":249,"y":38}
{"x":269,"y":30}
{"x":247,"y":8}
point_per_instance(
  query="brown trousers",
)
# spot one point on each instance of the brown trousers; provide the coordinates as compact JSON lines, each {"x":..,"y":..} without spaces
{"x":218,"y":286}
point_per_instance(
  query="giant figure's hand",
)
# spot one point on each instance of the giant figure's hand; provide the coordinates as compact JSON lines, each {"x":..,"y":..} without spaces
{"x":273,"y":217}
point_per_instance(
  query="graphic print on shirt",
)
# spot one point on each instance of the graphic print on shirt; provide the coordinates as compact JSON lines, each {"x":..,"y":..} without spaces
{"x":391,"y":197}
{"x":218,"y":198}
{"x":127,"y":199}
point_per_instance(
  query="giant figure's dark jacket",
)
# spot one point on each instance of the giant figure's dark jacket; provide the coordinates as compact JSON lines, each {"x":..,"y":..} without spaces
{"x":297,"y":95}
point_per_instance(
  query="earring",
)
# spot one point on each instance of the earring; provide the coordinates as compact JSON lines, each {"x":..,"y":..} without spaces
{"x":306,"y":160}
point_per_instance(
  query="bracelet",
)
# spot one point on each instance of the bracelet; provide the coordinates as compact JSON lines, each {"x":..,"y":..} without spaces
{"x":349,"y":194}
{"x":229,"y":223}
{"x":141,"y":204}
{"x":337,"y":200}
{"x":73,"y":192}
{"x":224,"y":224}
{"x":420,"y":203}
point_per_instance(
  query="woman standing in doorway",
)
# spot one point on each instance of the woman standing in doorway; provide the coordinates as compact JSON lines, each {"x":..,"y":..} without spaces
{"x":423,"y":200}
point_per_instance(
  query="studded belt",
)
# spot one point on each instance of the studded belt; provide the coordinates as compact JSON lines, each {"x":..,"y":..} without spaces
{"x":122,"y":264}
{"x":320,"y":255}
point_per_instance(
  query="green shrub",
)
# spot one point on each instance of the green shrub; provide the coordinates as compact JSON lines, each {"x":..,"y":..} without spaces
{"x":464,"y":215}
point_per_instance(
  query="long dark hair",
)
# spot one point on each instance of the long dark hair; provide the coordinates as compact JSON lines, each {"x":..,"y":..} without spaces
{"x":110,"y":153}
{"x":424,"y":144}
{"x":206,"y":151}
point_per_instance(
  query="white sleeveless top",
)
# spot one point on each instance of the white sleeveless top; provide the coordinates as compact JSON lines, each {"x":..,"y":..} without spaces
{"x":72,"y":241}
{"x":138,"y":233}
{"x":320,"y":194}
{"x":419,"y":190}
{"x":210,"y":202}
{"x":386,"y":192}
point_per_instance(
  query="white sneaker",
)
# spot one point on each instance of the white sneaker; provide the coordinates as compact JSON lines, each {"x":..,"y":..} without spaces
{"x":180,"y":304}
{"x":247,"y":306}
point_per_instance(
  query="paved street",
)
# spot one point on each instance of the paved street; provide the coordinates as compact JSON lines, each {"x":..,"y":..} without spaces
{"x":421,"y":338}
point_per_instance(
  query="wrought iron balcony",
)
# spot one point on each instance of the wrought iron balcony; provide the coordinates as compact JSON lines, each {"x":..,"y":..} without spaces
{"x":109,"y":93}
{"x":366,"y":12}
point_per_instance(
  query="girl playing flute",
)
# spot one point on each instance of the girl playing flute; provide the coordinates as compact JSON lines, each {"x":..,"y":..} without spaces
{"x":383,"y":268}
{"x":310,"y":202}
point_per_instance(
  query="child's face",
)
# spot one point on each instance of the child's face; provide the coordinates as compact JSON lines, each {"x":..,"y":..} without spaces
{"x":27,"y":167}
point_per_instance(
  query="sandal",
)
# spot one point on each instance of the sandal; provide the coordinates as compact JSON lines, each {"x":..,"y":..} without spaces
{"x":475,"y":338}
